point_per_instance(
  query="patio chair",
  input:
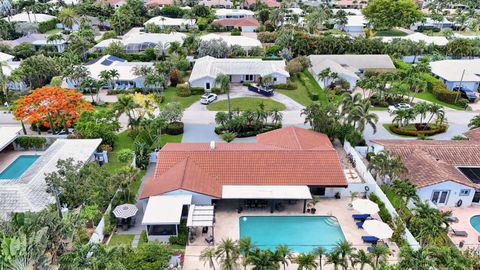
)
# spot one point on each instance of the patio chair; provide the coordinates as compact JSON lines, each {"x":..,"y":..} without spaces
{"x":459,"y":233}
{"x":360,"y":224}
{"x":360,"y":216}
{"x":370,"y":239}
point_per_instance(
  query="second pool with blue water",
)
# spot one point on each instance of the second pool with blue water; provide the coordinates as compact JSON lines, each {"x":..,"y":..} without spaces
{"x":299,"y":233}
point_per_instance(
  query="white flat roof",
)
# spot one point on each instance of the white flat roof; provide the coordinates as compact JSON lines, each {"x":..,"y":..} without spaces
{"x":452,"y":69}
{"x":8,"y":135}
{"x":200,"y":216}
{"x":165,"y":209}
{"x":265,"y":192}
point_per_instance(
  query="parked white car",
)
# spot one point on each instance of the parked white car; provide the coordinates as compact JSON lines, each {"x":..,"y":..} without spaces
{"x":399,"y":106}
{"x":208,"y":98}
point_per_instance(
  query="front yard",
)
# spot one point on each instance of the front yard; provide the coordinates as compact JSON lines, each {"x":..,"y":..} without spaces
{"x":246,"y":103}
{"x":430,"y":97}
{"x":305,"y":82}
{"x":170,"y":95}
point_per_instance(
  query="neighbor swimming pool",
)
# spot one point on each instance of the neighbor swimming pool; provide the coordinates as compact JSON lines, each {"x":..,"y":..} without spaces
{"x":475,"y":221}
{"x":299,"y":233}
{"x":18,"y":167}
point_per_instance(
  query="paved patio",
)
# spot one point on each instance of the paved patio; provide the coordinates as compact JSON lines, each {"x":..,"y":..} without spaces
{"x":7,"y":157}
{"x":227,"y":226}
{"x":464,"y":214}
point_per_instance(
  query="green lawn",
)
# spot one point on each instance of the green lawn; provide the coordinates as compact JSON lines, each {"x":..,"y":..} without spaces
{"x":304,"y":81}
{"x":430,"y":97}
{"x":300,"y":94}
{"x":143,"y":239}
{"x":246,"y":103}
{"x":390,"y":33}
{"x":121,"y":240}
{"x":53,"y":32}
{"x":171,"y":96}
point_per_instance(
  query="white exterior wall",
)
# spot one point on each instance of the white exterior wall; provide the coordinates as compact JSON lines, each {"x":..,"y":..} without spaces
{"x":217,"y":3}
{"x":249,"y":28}
{"x":235,"y":78}
{"x":354,"y":30}
{"x":454,"y":188}
{"x":197,"y":198}
{"x":202,"y":83}
{"x":466,"y":85}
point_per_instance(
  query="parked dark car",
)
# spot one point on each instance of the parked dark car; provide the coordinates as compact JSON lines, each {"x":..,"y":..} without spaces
{"x":466,"y":94}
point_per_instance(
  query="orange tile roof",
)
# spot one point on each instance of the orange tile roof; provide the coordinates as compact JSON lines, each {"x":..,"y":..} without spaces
{"x":431,"y":162}
{"x":237,"y":22}
{"x":473,"y":134}
{"x":269,"y":3}
{"x":197,"y":168}
{"x":156,"y":3}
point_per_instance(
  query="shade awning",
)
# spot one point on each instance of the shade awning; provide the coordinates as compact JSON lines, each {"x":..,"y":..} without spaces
{"x":200,"y":216}
{"x":265,"y":192}
{"x":165,"y":209}
{"x":8,"y":135}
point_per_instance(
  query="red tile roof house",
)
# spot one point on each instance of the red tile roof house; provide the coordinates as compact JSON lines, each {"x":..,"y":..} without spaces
{"x":286,"y":164}
{"x":446,"y":173}
{"x":269,"y":3}
{"x":242,"y":24}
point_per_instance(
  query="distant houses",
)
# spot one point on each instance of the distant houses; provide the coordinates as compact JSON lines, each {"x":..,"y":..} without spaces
{"x":206,"y":70}
{"x":456,"y":73}
{"x":176,"y":23}
{"x":354,"y":26}
{"x":348,"y":67}
{"x":224,"y":13}
{"x":138,"y":42}
{"x":29,"y":18}
{"x":417,"y":37}
{"x":38,"y":41}
{"x":243,"y":24}
{"x":217,"y":3}
{"x":245,"y":42}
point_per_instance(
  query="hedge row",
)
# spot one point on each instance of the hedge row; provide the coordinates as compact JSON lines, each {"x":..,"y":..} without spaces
{"x":46,"y":26}
{"x":383,"y":213}
{"x":27,"y":142}
{"x":408,"y":132}
{"x":184,"y":90}
{"x":289,"y":85}
{"x":220,"y":129}
{"x":443,"y":94}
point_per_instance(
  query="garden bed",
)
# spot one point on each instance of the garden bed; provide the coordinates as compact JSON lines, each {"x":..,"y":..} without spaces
{"x":248,"y":131}
{"x":411,"y":130}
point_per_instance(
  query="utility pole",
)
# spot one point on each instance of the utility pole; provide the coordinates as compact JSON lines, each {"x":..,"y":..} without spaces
{"x":460,"y":87}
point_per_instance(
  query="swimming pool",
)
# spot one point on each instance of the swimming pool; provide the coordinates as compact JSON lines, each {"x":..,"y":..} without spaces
{"x":18,"y":166}
{"x":475,"y":221}
{"x":299,"y":233}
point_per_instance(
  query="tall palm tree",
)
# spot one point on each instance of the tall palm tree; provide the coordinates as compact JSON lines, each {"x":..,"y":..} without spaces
{"x":67,"y":17}
{"x":320,"y":252}
{"x":223,"y":82}
{"x":228,"y":252}
{"x":246,"y":246}
{"x":126,"y":104}
{"x":324,"y":75}
{"x":341,"y":19}
{"x":334,"y":258}
{"x":362,"y":258}
{"x":380,"y":253}
{"x":405,"y":190}
{"x":344,"y":248}
{"x":114,"y":75}
{"x":106,"y":77}
{"x":284,"y":253}
{"x":208,"y":255}
{"x":350,"y":101}
{"x":305,"y":261}
{"x":263,"y":260}
{"x":361,"y":116}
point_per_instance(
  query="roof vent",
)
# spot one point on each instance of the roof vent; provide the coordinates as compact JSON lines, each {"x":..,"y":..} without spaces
{"x":212,"y":145}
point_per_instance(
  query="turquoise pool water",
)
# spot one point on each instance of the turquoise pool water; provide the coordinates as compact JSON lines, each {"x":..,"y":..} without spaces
{"x":18,"y":167}
{"x":299,"y":233}
{"x":475,"y":221}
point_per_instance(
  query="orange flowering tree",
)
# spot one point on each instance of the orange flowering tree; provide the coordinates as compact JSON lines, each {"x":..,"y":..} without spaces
{"x":64,"y":105}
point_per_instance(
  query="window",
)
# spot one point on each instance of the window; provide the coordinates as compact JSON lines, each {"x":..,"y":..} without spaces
{"x":464,"y":192}
{"x":274,"y":79}
{"x":207,"y":86}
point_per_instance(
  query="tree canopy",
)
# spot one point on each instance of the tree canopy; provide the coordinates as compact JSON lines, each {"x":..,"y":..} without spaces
{"x":386,"y":14}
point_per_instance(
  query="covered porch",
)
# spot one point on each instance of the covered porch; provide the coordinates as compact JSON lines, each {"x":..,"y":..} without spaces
{"x":163,"y":216}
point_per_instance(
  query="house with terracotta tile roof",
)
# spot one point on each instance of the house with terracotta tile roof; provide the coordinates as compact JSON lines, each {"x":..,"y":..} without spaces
{"x":445,"y":172}
{"x":269,"y":3}
{"x":246,"y":24}
{"x":288,"y":164}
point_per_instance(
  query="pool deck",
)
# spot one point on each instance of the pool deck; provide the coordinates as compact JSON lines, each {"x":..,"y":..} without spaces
{"x":227,"y":226}
{"x":464,"y":214}
{"x":7,"y":157}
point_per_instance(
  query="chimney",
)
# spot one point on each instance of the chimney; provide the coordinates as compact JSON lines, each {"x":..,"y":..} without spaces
{"x":212,"y":145}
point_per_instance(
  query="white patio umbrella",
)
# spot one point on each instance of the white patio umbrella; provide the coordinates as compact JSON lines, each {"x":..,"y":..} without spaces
{"x":125,"y":210}
{"x":365,"y":206}
{"x":377,"y":228}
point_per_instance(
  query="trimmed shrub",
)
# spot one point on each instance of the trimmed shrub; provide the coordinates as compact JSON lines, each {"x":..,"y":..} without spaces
{"x":235,"y":32}
{"x":44,"y":27}
{"x":217,"y":91}
{"x":248,"y":133}
{"x":289,"y":85}
{"x":415,"y":133}
{"x":174,"y":128}
{"x":384,"y":214}
{"x":442,"y":93}
{"x":31,"y":143}
{"x":197,"y":90}
{"x":183,"y":90}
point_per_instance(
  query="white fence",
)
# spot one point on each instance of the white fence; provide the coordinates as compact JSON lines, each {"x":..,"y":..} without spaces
{"x":372,"y":184}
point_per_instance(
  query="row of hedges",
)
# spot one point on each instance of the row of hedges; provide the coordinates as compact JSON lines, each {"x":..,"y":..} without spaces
{"x":249,"y":133}
{"x":289,"y":85}
{"x":383,"y":213}
{"x":443,"y":94}
{"x":31,"y":143}
{"x":415,"y":133}
{"x":46,"y":26}
{"x":184,"y":90}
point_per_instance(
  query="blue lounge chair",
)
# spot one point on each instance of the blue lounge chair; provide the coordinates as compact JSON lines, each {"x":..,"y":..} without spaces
{"x":370,"y":239}
{"x":370,"y":249}
{"x":360,"y":216}
{"x":360,"y":224}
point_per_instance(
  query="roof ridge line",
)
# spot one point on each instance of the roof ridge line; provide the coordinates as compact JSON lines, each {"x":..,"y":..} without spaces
{"x":184,"y":170}
{"x":296,"y":138}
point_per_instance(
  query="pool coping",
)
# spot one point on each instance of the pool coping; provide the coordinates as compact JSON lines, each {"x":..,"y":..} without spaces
{"x":20,"y":176}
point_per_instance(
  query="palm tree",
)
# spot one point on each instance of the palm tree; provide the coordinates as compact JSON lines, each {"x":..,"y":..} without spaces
{"x":362,"y":258}
{"x":380,"y":252}
{"x":228,"y":252}
{"x":305,"y":261}
{"x":350,"y":101}
{"x":246,"y":246}
{"x":126,"y":104}
{"x":161,"y":50}
{"x":223,"y":81}
{"x":283,"y":252}
{"x":324,"y":75}
{"x":114,"y":75}
{"x":319,"y":252}
{"x":106,"y":77}
{"x":404,"y":117}
{"x":416,"y":259}
{"x":334,"y":258}
{"x":344,"y":248}
{"x":341,"y":19}
{"x":361,"y":116}
{"x":208,"y":255}
{"x":436,"y":110}
{"x":67,"y":17}
{"x":405,"y":190}
{"x":474,"y":122}
{"x":263,"y":260}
